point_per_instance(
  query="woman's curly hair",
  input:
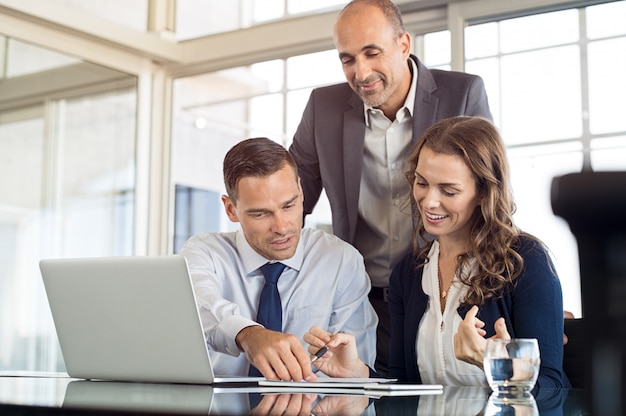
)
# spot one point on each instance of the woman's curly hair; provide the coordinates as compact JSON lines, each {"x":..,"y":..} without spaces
{"x":494,"y":237}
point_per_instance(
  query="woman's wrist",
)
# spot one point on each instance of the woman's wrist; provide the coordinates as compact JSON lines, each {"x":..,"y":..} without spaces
{"x":363,"y":371}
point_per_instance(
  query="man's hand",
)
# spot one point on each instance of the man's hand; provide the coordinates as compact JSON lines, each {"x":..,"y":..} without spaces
{"x":284,"y":404}
{"x":567,"y":315}
{"x":276,"y":355}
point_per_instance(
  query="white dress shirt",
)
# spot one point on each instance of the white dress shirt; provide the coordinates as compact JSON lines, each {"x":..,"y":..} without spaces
{"x":325,"y":284}
{"x":384,"y":232}
{"x":435,"y":337}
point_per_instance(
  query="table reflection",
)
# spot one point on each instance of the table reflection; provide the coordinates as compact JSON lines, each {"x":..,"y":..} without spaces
{"x":453,"y":401}
{"x":144,"y":397}
{"x":459,"y":401}
{"x":28,"y":396}
{"x":200,"y":399}
{"x":511,"y":406}
{"x":33,"y":391}
{"x":298,"y":404}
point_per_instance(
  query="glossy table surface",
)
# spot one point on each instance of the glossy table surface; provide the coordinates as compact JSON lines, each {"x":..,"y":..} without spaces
{"x":43,"y":395}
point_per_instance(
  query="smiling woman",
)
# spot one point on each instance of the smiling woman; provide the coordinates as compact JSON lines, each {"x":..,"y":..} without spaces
{"x":465,"y":280}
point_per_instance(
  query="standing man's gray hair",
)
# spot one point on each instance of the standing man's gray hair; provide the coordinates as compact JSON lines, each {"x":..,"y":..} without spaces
{"x":390,"y":10}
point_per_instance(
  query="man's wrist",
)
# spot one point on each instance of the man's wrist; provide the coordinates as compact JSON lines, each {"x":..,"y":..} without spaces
{"x":244,"y":334}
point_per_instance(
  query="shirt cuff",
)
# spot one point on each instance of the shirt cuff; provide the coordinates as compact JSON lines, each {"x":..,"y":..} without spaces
{"x":373,"y":374}
{"x":228,"y":330}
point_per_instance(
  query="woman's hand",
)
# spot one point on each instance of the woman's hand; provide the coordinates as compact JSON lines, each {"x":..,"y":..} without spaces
{"x":341,"y":359}
{"x":469,"y":340}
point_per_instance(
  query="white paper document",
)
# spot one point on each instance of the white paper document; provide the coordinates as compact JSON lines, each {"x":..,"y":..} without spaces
{"x":358,"y":386}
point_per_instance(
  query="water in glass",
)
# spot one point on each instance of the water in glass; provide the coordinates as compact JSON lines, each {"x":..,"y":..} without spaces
{"x":511,"y":366}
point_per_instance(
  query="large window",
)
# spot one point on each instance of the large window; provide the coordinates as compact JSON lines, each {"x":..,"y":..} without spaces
{"x":68,"y":166}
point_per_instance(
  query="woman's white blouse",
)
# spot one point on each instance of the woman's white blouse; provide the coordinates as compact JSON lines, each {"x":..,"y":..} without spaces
{"x":435,"y":338}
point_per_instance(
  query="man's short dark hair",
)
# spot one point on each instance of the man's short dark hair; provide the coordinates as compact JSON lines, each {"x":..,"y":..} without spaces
{"x":257,"y":157}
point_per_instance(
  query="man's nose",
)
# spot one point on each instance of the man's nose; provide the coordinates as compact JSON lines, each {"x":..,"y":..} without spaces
{"x":362,"y":70}
{"x":280,"y":223}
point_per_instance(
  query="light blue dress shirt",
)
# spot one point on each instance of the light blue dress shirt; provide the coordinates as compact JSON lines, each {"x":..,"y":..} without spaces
{"x":325,"y":284}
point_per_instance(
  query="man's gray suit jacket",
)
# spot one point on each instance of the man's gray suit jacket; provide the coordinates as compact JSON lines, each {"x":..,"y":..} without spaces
{"x":329,"y":142}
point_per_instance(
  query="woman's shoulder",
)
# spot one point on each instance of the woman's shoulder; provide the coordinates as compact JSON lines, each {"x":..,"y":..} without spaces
{"x":536,"y":256}
{"x":527,"y":245}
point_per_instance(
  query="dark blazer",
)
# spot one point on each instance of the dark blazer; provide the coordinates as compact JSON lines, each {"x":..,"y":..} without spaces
{"x":329,"y":142}
{"x":532,"y":309}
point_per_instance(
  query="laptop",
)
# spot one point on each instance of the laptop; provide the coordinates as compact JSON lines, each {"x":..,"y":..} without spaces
{"x":129,"y":319}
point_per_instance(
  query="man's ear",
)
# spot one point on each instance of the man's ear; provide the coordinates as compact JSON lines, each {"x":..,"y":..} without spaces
{"x":230,"y":208}
{"x":405,"y":44}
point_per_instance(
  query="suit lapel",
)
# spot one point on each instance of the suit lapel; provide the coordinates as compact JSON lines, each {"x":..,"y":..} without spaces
{"x":353,"y":147}
{"x":426,"y":104}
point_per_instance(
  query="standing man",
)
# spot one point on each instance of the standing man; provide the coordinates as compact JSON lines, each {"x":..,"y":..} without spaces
{"x":321,"y":279}
{"x":354,"y":137}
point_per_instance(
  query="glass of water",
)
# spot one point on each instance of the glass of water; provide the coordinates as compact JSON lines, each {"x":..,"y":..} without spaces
{"x":512,"y":366}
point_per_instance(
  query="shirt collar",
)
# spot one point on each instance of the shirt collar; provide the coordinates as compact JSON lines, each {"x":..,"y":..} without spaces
{"x":252,"y":260}
{"x":410,"y":97}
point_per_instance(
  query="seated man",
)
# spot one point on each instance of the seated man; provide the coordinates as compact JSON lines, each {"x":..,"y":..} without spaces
{"x":324,"y":282}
